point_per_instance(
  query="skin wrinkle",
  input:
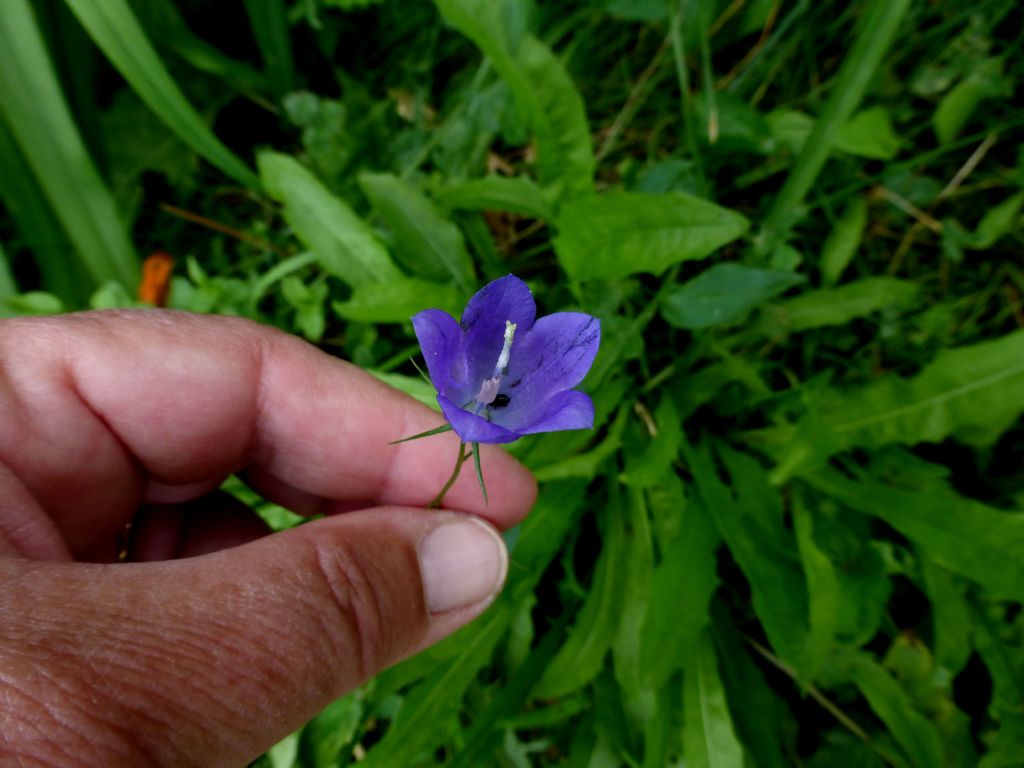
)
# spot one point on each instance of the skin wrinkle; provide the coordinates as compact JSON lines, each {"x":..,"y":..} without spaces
{"x":76,"y":727}
{"x":348,"y":583}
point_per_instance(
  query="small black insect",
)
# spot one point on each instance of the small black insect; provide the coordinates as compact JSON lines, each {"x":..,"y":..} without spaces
{"x":500,"y":401}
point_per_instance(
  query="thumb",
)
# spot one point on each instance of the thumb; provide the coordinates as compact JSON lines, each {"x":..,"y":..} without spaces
{"x":213,"y":659}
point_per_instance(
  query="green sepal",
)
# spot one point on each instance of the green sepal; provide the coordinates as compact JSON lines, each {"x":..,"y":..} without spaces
{"x":479,"y":472}
{"x":420,"y":371}
{"x":428,"y":433}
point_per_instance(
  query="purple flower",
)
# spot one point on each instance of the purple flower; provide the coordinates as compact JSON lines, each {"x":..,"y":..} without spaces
{"x":500,"y":374}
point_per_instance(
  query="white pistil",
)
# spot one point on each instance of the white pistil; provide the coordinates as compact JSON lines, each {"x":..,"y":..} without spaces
{"x":510,"y":331}
{"x":489,"y":387}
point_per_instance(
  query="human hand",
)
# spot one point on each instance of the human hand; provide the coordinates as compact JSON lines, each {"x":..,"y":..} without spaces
{"x":211,"y":658}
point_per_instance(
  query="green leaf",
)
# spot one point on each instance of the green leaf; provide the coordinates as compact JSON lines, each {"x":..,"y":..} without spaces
{"x":997,"y":222}
{"x":627,"y":647}
{"x":425,"y":242}
{"x":748,"y":514}
{"x":7,"y":285}
{"x":1008,"y":745}
{"x":984,"y":80}
{"x":960,"y":534}
{"x":269,"y":22}
{"x":515,"y":194}
{"x":917,"y":736}
{"x":951,"y":615}
{"x":823,"y":592}
{"x":973,"y":393}
{"x":876,"y":30}
{"x":29,"y":210}
{"x":681,"y":590}
{"x":397,"y":301}
{"x":709,"y":739}
{"x":325,"y":738}
{"x":344,"y":243}
{"x":723,"y":294}
{"x":542,"y":89}
{"x":646,"y":468}
{"x":413,"y":386}
{"x":615,"y":235}
{"x":31,"y":303}
{"x":581,"y":657}
{"x":115,"y":30}
{"x":439,"y":696}
{"x":838,"y":306}
{"x":38,"y":117}
{"x":869,"y":134}
{"x":843,"y":241}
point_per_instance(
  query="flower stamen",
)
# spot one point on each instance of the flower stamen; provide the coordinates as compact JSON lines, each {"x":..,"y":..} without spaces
{"x":489,"y":387}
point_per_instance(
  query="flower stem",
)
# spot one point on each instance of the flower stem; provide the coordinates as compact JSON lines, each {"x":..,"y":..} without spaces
{"x":463,"y":457}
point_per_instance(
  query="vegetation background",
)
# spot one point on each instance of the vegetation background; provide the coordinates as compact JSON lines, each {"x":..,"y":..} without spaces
{"x":795,"y":536}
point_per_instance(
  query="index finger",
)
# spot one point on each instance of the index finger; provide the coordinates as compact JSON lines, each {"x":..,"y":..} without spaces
{"x":101,"y":406}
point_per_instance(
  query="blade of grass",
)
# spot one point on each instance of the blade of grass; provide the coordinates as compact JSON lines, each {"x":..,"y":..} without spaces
{"x":114,"y":28}
{"x":7,"y":285}
{"x":873,"y":40}
{"x":269,"y":23}
{"x":39,"y":119}
{"x":27,"y":206}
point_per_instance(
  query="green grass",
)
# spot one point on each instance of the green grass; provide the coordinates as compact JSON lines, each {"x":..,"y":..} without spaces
{"x":795,"y":536}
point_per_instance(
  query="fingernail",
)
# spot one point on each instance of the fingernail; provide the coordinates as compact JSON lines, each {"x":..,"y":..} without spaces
{"x":461,"y":563}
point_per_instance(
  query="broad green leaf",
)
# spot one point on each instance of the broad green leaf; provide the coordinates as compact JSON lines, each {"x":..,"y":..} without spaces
{"x":413,"y":386}
{"x":113,"y":27}
{"x":917,"y":736}
{"x":973,"y":393}
{"x":763,"y":722}
{"x":951,"y":614}
{"x":843,"y":241}
{"x":515,"y":194}
{"x":1008,"y":746}
{"x":426,"y":243}
{"x":614,"y":235}
{"x":983,"y":81}
{"x":748,"y":514}
{"x":397,"y":301}
{"x":37,"y":114}
{"x":723,"y":294}
{"x":326,"y":737}
{"x":681,"y":590}
{"x":439,"y":696}
{"x":543,"y":91}
{"x":589,"y":463}
{"x":997,"y":222}
{"x":960,"y":534}
{"x":285,"y":753}
{"x":646,"y":468}
{"x":823,"y":591}
{"x":869,"y":134}
{"x":486,"y":732}
{"x":709,"y":738}
{"x":30,"y":303}
{"x":838,"y":306}
{"x":344,"y":244}
{"x":627,"y":647}
{"x":580,"y":659}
